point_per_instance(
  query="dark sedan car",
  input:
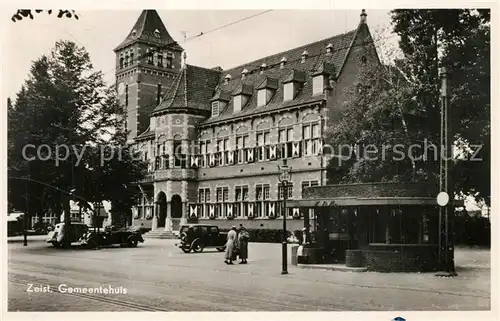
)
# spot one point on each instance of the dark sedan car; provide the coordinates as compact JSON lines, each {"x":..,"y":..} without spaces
{"x":111,"y":236}
{"x":196,"y":237}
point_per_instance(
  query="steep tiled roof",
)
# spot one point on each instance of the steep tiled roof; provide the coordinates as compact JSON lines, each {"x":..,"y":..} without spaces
{"x":294,"y":67}
{"x":193,"y":88}
{"x":144,"y":30}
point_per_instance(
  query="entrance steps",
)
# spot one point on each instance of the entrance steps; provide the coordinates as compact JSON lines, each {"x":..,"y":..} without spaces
{"x":160,"y":234}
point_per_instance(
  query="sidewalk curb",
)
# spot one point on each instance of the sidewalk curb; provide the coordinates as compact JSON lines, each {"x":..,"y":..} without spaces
{"x":331,"y":268}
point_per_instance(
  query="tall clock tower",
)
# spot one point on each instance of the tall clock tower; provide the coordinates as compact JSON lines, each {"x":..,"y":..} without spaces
{"x":147,"y":62}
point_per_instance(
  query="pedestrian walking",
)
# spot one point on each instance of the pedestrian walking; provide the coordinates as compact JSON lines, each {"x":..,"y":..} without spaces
{"x":243,"y":238}
{"x":231,"y":240}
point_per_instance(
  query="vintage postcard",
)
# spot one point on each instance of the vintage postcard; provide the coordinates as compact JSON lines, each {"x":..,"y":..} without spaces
{"x":276,"y":158}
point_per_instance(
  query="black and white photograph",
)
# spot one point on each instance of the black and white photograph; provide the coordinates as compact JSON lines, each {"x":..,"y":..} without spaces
{"x":272,"y":159}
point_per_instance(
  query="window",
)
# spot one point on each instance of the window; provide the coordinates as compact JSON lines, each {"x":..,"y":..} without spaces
{"x":149,"y":54}
{"x":262,"y":197}
{"x":204,"y":153}
{"x":261,"y":98}
{"x":311,"y":139}
{"x":237,"y":104}
{"x":215,"y":109}
{"x":263,"y":140}
{"x":318,"y":84}
{"x":241,"y":145}
{"x":306,"y":184}
{"x":290,"y":191}
{"x":158,"y":94}
{"x":132,"y":58}
{"x":204,"y":199}
{"x":288,"y":93}
{"x":169,"y":61}
{"x":285,"y":142}
{"x":222,"y":197}
{"x":121,"y":62}
{"x":159,"y":60}
{"x":222,"y":155}
{"x":180,"y":159}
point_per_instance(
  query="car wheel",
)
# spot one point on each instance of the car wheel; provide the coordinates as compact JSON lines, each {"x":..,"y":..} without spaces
{"x":197,"y":247}
{"x":186,"y":249}
{"x":133,"y":243}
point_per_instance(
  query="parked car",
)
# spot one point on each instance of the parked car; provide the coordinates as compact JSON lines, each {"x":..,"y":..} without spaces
{"x":42,"y":228}
{"x":111,"y":236}
{"x":61,"y":236}
{"x":196,"y":237}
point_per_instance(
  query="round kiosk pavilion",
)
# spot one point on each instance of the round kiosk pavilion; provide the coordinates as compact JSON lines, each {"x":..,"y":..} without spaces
{"x":385,"y":227}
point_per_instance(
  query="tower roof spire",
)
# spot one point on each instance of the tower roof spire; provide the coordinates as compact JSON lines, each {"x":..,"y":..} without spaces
{"x":149,"y":28}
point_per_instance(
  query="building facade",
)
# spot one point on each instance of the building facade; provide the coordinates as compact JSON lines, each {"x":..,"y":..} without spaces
{"x":214,"y":138}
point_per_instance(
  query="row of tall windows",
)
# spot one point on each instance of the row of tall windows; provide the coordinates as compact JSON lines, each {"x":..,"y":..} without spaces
{"x":262,"y":206}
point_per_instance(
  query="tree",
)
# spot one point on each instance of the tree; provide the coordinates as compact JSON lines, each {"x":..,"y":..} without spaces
{"x":399,"y":102}
{"x":66,"y":106}
{"x":23,"y":13}
{"x":458,"y":39}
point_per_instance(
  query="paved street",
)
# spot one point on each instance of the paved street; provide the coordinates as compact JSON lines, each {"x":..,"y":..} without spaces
{"x":159,"y":277}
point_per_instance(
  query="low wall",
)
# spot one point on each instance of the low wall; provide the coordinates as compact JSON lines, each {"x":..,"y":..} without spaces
{"x":401,"y":257}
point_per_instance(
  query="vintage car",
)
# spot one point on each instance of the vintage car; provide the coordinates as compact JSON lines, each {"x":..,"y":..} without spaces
{"x":111,"y":236}
{"x":196,"y":237}
{"x":61,"y":236}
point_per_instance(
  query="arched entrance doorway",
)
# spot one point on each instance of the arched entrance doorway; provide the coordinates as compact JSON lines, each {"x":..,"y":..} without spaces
{"x":176,"y":211}
{"x":161,"y":208}
{"x":176,"y":206}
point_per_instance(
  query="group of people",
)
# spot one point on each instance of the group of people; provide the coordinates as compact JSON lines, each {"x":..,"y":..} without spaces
{"x":237,"y":245}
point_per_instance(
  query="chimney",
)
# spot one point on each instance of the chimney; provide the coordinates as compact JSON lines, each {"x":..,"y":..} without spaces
{"x":262,"y":68}
{"x":363,"y":16}
{"x":304,"y":56}
{"x":329,"y":48}
{"x":282,"y":62}
{"x":244,"y":73}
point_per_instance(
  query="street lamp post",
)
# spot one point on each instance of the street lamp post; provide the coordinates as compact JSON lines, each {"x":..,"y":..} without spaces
{"x":284,"y":178}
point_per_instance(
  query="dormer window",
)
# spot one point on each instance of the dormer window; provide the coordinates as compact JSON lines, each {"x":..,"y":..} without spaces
{"x":241,"y":97}
{"x":215,"y":108}
{"x":157,"y":33}
{"x":244,"y":73}
{"x":134,"y":32}
{"x":283,"y":62}
{"x":292,"y":84}
{"x":266,"y":91}
{"x":304,"y":56}
{"x":227,"y":79}
{"x":329,"y":48}
{"x":219,"y":102}
{"x":321,"y":77}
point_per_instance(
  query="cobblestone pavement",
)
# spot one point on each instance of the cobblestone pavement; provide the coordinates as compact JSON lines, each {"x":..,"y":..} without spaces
{"x":159,"y":276}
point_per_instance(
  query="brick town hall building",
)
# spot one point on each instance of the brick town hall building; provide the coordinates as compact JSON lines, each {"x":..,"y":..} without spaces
{"x":214,"y":138}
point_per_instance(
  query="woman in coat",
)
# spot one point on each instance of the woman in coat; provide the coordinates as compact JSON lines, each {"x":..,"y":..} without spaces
{"x":231,"y":239}
{"x":243,"y":238}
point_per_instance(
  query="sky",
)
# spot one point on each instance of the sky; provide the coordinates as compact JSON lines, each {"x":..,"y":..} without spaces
{"x":101,"y":31}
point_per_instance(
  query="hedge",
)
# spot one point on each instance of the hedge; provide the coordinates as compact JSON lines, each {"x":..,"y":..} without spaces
{"x":265,"y":235}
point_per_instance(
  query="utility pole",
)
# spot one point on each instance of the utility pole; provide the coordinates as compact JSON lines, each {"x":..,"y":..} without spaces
{"x":446,"y":210}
